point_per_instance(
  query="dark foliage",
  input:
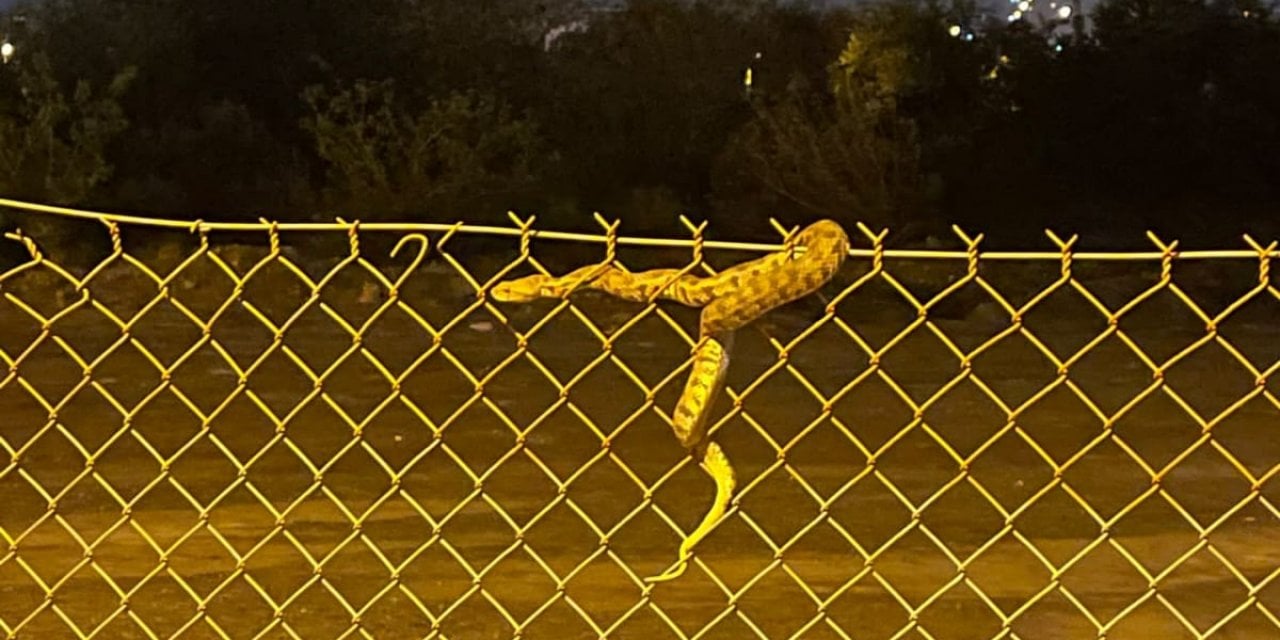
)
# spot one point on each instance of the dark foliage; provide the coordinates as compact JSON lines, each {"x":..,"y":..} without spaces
{"x":1164,"y":114}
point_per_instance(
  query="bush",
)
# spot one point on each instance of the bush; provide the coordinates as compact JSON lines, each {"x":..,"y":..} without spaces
{"x":462,"y":154}
{"x":54,"y":143}
{"x":55,"y":146}
{"x":849,"y":155}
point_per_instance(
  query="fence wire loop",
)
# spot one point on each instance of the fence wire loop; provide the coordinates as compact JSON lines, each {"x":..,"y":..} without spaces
{"x":272,"y":228}
{"x":526,"y":231}
{"x":113,"y":232}
{"x":971,"y":249}
{"x":353,"y":235}
{"x":1264,"y":258}
{"x":449,"y":232}
{"x":696,"y":231}
{"x":27,"y":243}
{"x":877,"y":245}
{"x":610,"y":237}
{"x":424,"y":246}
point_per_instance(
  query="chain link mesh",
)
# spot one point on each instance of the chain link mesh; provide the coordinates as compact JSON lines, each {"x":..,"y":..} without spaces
{"x":238,"y":439}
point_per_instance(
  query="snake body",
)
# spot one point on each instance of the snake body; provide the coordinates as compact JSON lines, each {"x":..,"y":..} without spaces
{"x":729,"y":300}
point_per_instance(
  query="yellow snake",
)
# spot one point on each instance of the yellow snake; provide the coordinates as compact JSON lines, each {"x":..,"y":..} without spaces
{"x":730,"y":300}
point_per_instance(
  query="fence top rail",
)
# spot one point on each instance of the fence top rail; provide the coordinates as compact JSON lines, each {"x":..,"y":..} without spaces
{"x":1163,"y":251}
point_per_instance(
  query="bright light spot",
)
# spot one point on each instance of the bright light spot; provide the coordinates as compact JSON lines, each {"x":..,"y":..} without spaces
{"x":759,"y":55}
{"x":1024,"y":6}
{"x":954,"y":31}
{"x":1246,"y":13}
{"x":1057,"y":48}
{"x":1004,"y":59}
{"x":6,"y":51}
{"x":747,"y":79}
{"x":968,"y":37}
{"x":1064,"y":12}
{"x":1015,"y":16}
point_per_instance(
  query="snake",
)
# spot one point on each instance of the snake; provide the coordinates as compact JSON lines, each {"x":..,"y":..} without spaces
{"x":730,"y":300}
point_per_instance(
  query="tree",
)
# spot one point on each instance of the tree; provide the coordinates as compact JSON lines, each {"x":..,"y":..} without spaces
{"x":851,"y":153}
{"x":463,"y":154}
{"x":54,"y":143}
{"x":215,"y":107}
{"x":641,"y":100}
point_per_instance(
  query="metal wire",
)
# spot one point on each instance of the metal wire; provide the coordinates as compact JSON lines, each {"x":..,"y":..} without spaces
{"x":498,"y":561}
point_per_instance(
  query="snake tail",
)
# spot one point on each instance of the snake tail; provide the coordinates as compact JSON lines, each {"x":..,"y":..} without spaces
{"x":716,"y":464}
{"x":690,"y":420}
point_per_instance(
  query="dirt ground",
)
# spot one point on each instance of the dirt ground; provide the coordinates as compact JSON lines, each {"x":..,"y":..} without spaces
{"x":447,"y":509}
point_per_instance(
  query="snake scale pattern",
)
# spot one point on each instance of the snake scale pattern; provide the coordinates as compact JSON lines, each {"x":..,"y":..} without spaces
{"x":729,"y":300}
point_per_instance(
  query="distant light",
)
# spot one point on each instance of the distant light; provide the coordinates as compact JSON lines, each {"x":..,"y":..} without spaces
{"x":6,"y":51}
{"x":1246,"y":13}
{"x":1015,"y":16}
{"x":968,"y":37}
{"x":1024,"y":6}
{"x":1064,"y":11}
{"x":747,"y":79}
{"x":1057,"y":48}
{"x":954,"y":31}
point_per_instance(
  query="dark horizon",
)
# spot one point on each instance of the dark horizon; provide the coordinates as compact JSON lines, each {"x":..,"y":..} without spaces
{"x":648,"y":113}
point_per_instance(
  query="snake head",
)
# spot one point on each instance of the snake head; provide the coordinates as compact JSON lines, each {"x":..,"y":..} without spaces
{"x":826,"y":236}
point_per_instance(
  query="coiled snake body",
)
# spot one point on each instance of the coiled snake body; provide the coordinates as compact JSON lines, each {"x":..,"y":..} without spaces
{"x":729,"y":300}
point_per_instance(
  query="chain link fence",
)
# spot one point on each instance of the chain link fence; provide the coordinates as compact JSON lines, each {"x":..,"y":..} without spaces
{"x":329,"y":431}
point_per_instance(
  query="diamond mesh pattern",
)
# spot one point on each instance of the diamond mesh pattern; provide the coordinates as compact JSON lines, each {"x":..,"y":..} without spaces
{"x":239,"y":442}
